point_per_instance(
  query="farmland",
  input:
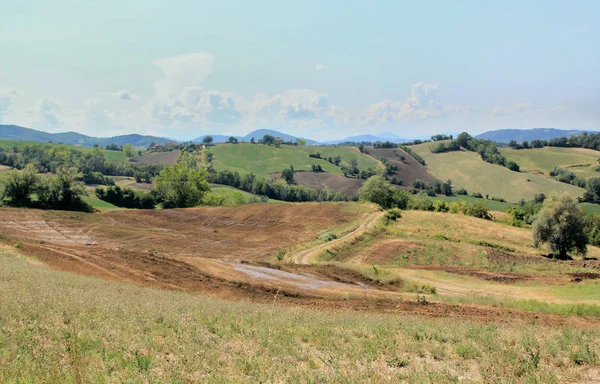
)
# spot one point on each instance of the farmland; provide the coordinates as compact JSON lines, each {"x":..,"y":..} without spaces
{"x":580,"y":161}
{"x":264,"y":159}
{"x":467,"y":170}
{"x":434,"y":296}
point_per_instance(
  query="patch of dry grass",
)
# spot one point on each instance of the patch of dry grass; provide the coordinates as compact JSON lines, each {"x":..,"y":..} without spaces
{"x":64,"y":328}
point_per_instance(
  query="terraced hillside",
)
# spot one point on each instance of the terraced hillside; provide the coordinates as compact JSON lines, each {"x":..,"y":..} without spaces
{"x":467,"y":170}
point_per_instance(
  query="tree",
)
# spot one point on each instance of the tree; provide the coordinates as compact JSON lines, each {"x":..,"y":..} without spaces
{"x":288,"y":175}
{"x":252,"y":140}
{"x":207,"y":140}
{"x":180,"y":186}
{"x":560,"y":224}
{"x":361,"y":148}
{"x":232,"y":140}
{"x":19,"y":186}
{"x":129,"y":150}
{"x":512,"y":144}
{"x":268,"y":139}
{"x":379,"y":191}
{"x":513,"y":166}
{"x":300,"y":142}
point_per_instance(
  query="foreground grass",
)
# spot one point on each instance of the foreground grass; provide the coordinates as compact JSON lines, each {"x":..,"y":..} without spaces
{"x":60,"y":327}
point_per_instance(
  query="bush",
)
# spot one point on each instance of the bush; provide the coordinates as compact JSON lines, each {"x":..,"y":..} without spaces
{"x":477,"y":195}
{"x":513,"y":166}
{"x":440,"y":206}
{"x":478,"y":209}
{"x":461,"y":192}
{"x":328,"y":236}
{"x":390,"y":216}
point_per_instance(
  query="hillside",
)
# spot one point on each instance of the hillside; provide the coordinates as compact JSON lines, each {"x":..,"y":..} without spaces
{"x":14,"y":132}
{"x":519,"y":135}
{"x":580,"y":161}
{"x":409,"y":169}
{"x":467,"y":170}
{"x":402,"y":302}
{"x":264,"y":159}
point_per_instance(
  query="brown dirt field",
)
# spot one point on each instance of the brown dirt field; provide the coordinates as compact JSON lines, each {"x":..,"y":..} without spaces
{"x":220,"y":251}
{"x":325,"y":180}
{"x":167,"y":158}
{"x":409,"y":170}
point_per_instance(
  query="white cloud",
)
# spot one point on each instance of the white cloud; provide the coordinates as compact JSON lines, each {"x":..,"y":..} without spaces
{"x":500,"y":111}
{"x":7,"y":97}
{"x":195,"y":106}
{"x":182,"y":71}
{"x":321,"y":67}
{"x":45,"y":114}
{"x":420,"y":106}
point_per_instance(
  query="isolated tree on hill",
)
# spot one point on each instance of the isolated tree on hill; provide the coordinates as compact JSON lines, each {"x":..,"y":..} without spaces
{"x":300,"y":142}
{"x":252,"y":140}
{"x":288,"y":175}
{"x":232,"y":140}
{"x":207,"y":140}
{"x":560,"y":224}
{"x":268,"y":139}
{"x":180,"y":186}
{"x":129,"y":150}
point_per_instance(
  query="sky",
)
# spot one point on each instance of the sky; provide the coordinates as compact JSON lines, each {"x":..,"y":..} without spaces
{"x":316,"y":69}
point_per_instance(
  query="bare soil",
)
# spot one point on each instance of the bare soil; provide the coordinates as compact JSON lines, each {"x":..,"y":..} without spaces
{"x":409,"y":170}
{"x":325,"y":180}
{"x":221,"y":251}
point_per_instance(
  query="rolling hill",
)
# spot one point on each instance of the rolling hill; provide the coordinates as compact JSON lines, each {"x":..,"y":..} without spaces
{"x":580,"y":161}
{"x":264,"y":159}
{"x":519,"y":135}
{"x":15,"y":132}
{"x":467,"y":170}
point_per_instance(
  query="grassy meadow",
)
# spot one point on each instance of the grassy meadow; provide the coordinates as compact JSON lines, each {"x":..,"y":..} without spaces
{"x":467,"y":170}
{"x":64,"y":328}
{"x":580,"y":161}
{"x":263,"y":159}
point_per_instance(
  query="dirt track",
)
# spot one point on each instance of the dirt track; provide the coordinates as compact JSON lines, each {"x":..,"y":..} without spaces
{"x":221,"y":251}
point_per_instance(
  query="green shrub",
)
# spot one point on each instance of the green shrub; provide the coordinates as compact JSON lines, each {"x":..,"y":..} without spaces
{"x":328,"y":236}
{"x":392,"y":215}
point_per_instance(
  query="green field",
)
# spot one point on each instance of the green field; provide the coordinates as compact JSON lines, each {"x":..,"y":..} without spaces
{"x":263,"y":159}
{"x":99,"y":204}
{"x":577,"y":160}
{"x":492,"y":205}
{"x":233,"y":196}
{"x":467,"y":170}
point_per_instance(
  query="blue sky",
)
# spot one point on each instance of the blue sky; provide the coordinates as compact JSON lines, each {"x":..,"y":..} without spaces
{"x":319,"y":69}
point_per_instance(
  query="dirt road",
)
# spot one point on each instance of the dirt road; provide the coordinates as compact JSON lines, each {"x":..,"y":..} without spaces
{"x":310,"y":255}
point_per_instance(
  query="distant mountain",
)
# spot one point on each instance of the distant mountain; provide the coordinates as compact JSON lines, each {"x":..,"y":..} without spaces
{"x":519,"y":135}
{"x":14,"y":132}
{"x":216,"y":138}
{"x":371,"y":138}
{"x":259,"y":133}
